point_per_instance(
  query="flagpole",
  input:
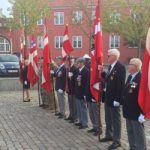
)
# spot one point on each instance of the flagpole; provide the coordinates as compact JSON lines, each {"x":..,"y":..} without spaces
{"x":100,"y":87}
{"x":53,"y":84}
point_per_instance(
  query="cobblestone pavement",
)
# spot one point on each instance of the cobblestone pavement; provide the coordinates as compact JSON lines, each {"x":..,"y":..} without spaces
{"x":25,"y":126}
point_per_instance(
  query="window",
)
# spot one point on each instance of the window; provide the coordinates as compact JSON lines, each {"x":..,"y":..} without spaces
{"x":40,"y":42}
{"x":114,"y":17}
{"x":77,"y":17}
{"x":77,"y":41}
{"x":24,"y":20}
{"x":59,"y":18}
{"x":132,"y":44}
{"x":114,"y":41}
{"x":4,"y":45}
{"x":40,"y":22}
{"x":93,"y":15}
{"x":58,"y":42}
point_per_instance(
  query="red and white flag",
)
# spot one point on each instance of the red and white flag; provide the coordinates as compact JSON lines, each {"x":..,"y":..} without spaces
{"x":46,"y":82}
{"x":66,"y":47}
{"x":144,"y":91}
{"x":96,"y":57}
{"x":32,"y":74}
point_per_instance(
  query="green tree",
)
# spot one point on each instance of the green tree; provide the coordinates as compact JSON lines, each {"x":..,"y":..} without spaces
{"x":129,"y":19}
{"x":26,"y":13}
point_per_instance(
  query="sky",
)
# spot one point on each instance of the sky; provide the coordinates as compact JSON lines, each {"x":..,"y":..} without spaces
{"x":4,"y":4}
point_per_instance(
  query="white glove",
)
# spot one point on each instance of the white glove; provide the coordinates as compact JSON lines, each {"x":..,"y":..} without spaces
{"x":70,"y":74}
{"x":141,"y":118}
{"x":116,"y":104}
{"x":52,"y":72}
{"x":60,"y":91}
{"x":25,"y":82}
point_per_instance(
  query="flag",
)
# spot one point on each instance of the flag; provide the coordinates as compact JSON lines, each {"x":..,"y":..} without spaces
{"x":96,"y":57}
{"x":32,"y":73}
{"x":66,"y":46}
{"x":144,"y":90}
{"x":46,"y":82}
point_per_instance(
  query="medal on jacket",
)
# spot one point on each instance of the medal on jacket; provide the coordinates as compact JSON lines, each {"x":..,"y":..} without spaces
{"x":130,"y":90}
{"x":59,"y":74}
{"x":79,"y":80}
{"x":111,"y":78}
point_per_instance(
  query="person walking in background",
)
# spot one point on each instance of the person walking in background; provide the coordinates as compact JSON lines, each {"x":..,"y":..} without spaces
{"x":131,"y":110}
{"x":26,"y":83}
{"x":114,"y":83}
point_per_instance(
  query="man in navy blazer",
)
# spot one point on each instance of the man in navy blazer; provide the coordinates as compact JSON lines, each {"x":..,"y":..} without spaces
{"x":131,"y":109}
{"x":114,"y":83}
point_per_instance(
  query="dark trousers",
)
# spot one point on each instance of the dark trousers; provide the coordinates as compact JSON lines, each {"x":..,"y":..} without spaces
{"x":113,"y":123}
{"x":72,"y":107}
{"x":136,"y":135}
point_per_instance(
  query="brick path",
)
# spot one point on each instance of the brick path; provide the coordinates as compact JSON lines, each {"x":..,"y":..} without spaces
{"x":25,"y":126}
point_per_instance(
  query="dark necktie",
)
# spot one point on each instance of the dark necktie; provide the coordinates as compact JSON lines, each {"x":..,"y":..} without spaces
{"x":109,"y":69}
{"x":129,"y":78}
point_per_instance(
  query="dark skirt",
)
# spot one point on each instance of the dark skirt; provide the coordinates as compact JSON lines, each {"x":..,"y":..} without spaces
{"x":26,"y":84}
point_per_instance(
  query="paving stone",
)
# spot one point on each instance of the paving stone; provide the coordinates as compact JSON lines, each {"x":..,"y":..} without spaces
{"x":25,"y":126}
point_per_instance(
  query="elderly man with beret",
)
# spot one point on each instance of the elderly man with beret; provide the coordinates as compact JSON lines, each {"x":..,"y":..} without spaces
{"x":131,"y":110}
{"x":80,"y":92}
{"x":114,"y":83}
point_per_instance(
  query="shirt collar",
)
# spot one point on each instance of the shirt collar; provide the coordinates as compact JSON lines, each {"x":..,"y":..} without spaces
{"x":133,"y":75}
{"x":112,"y":65}
{"x":81,"y":68}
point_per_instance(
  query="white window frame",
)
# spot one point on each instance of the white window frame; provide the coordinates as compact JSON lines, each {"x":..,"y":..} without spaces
{"x":40,"y":42}
{"x":60,"y":41}
{"x":77,"y":17}
{"x":5,"y":43}
{"x":114,"y":41}
{"x":115,"y":16}
{"x":24,"y":20}
{"x":77,"y":39}
{"x":40,"y":22}
{"x":58,"y":18}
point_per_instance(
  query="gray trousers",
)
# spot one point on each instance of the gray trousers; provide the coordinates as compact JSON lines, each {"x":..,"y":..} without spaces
{"x":82,"y":111}
{"x":93,"y":114}
{"x":136,"y":135}
{"x":113,"y":123}
{"x":61,"y":103}
{"x":72,"y":107}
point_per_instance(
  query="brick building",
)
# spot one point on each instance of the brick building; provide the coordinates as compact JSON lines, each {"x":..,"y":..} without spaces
{"x":63,"y":12}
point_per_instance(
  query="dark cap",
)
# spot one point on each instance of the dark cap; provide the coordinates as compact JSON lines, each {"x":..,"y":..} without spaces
{"x":81,"y":60}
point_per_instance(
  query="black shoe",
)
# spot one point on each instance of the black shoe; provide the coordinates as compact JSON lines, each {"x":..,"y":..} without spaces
{"x":96,"y":133}
{"x":60,"y":116}
{"x":69,"y":118}
{"x":91,"y":130}
{"x":106,"y":139}
{"x":83,"y":127}
{"x":71,"y":121}
{"x":114,"y":145}
{"x":57,"y":114}
{"x":77,"y":124}
{"x":42,"y":105}
{"x":45,"y":106}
